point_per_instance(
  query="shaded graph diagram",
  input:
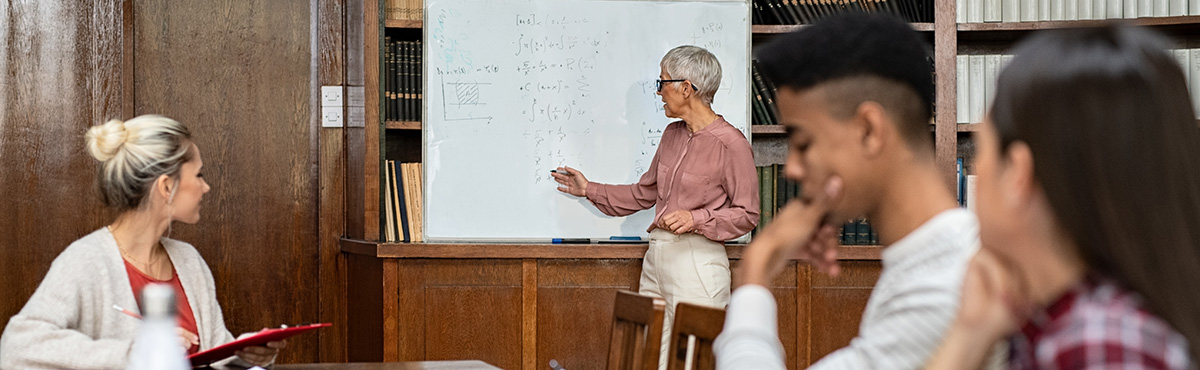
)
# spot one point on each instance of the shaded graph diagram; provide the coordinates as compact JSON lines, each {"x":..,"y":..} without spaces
{"x":464,"y":101}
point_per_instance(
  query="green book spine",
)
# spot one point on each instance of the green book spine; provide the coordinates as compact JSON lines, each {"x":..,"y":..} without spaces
{"x":864,"y":232}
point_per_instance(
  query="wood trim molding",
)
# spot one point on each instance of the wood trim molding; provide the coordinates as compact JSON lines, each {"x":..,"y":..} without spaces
{"x":549,"y":251}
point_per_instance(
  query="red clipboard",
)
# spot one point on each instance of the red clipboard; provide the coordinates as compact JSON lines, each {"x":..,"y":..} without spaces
{"x":260,"y":338}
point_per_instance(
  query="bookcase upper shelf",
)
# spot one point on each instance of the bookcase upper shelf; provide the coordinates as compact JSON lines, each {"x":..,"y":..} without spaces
{"x":785,"y":28}
{"x":403,"y":23}
{"x":402,"y":125}
{"x":1190,"y":21}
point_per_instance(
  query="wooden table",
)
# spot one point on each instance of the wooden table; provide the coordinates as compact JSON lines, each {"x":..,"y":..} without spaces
{"x":420,"y":365}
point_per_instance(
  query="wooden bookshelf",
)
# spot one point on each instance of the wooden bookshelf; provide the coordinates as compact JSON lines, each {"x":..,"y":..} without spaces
{"x":402,"y":125}
{"x":967,"y":127}
{"x":1008,"y":32}
{"x":767,"y":29}
{"x":767,"y":130}
{"x":403,"y":24}
{"x":1188,"y":21}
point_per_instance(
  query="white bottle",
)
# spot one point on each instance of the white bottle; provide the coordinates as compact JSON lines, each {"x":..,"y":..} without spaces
{"x":157,"y":346}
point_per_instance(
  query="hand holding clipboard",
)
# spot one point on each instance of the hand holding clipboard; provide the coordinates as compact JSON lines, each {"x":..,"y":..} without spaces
{"x":260,"y":338}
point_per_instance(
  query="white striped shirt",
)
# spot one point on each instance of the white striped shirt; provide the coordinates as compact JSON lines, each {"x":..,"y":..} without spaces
{"x":912,"y":304}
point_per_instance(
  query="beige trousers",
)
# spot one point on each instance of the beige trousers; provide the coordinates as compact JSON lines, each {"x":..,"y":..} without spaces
{"x":684,"y":268}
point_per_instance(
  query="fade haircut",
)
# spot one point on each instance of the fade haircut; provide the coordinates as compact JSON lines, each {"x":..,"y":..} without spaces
{"x":854,"y":58}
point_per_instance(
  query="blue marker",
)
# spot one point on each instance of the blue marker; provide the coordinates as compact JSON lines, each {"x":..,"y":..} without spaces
{"x":622,"y":240}
{"x":571,"y":241}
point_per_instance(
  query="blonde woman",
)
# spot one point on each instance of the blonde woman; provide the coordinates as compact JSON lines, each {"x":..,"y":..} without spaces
{"x":151,"y":172}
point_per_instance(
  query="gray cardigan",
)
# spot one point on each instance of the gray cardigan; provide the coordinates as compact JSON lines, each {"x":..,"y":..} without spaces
{"x":69,"y":322}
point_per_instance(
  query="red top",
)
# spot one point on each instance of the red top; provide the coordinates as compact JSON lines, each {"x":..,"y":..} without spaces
{"x":710,"y":173}
{"x":187,"y":321}
{"x":1098,"y":324}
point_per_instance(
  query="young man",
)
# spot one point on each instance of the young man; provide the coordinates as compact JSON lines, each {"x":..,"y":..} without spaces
{"x":855,"y":93}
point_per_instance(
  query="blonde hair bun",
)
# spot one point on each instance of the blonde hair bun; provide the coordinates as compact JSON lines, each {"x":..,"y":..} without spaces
{"x":105,"y":141}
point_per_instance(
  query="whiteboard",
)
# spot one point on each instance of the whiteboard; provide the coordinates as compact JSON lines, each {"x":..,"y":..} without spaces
{"x":515,"y":88}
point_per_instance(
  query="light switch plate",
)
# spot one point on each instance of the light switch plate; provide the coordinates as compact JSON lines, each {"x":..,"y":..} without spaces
{"x":331,"y":96}
{"x":331,"y":116}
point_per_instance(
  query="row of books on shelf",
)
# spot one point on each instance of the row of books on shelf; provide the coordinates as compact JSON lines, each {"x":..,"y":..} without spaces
{"x":976,"y":77}
{"x":402,"y":9}
{"x":401,"y":80}
{"x":762,"y":100}
{"x":787,"y":12}
{"x":775,"y":191}
{"x":984,"y":11}
{"x":1189,"y":60}
{"x":403,"y":209}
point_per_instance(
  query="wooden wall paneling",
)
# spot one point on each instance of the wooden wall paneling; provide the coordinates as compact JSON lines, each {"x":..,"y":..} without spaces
{"x":837,"y":305}
{"x":787,"y":294}
{"x":61,"y":68}
{"x":473,"y":310}
{"x":362,"y":53}
{"x":575,"y":308}
{"x":364,"y":309}
{"x":330,"y":50}
{"x":127,"y":69}
{"x":803,"y":355}
{"x":372,"y":158}
{"x":785,"y":288}
{"x":529,"y":290}
{"x":391,"y":302}
{"x":945,"y":47}
{"x":411,"y":309}
{"x":239,"y":74}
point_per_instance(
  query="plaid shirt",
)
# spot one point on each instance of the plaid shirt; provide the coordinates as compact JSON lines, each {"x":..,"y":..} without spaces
{"x":1098,"y":324}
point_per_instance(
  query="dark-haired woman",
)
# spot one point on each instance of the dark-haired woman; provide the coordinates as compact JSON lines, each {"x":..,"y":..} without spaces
{"x":1089,"y":210}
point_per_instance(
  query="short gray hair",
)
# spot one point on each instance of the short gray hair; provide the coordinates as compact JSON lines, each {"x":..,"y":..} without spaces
{"x":696,"y":65}
{"x":136,"y":152}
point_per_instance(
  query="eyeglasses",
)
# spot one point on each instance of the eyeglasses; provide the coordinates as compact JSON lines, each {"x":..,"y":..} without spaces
{"x":659,"y":84}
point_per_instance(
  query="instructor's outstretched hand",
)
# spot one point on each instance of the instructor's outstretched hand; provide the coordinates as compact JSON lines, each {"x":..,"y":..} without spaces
{"x":571,"y":180}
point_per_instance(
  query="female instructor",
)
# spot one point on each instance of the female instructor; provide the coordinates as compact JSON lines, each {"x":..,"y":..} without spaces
{"x":702,"y":180}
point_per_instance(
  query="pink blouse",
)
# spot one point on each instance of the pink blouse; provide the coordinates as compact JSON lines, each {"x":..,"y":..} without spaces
{"x":710,"y":173}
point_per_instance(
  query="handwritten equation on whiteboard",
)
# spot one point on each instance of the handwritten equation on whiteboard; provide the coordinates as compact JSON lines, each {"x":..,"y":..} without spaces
{"x":515,"y":88}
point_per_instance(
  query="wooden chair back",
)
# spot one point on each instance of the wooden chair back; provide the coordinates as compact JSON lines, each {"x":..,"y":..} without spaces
{"x":699,"y":322}
{"x":636,"y":332}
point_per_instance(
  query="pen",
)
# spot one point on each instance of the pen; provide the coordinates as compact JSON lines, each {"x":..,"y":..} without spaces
{"x":127,"y":312}
{"x":562,"y":172}
{"x":571,"y":241}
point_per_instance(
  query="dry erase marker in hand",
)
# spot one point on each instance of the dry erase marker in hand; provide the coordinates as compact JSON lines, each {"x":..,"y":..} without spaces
{"x":562,"y":172}
{"x":127,"y":312}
